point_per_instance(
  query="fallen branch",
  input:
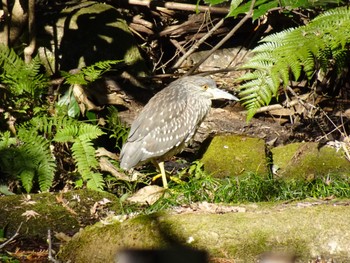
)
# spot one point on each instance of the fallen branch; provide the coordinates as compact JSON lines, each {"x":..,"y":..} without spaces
{"x":13,"y":237}
{"x":227,"y":37}
{"x":180,"y":6}
{"x":50,"y":257}
{"x":198,"y":43}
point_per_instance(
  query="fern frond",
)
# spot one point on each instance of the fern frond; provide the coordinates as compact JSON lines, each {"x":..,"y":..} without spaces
{"x":89,"y":132}
{"x":67,"y":134}
{"x":90,"y":73}
{"x":46,"y":172}
{"x":27,"y":179}
{"x":37,"y":150}
{"x":94,"y":181}
{"x":6,"y":140}
{"x":119,"y":130}
{"x":84,"y":155}
{"x":21,"y":77}
{"x":284,"y":56}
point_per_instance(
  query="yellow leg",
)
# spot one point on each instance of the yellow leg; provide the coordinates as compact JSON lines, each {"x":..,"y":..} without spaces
{"x":162,"y":174}
{"x":162,"y":171}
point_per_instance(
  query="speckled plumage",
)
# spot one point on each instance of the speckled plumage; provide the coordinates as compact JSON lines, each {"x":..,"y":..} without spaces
{"x":169,"y":120}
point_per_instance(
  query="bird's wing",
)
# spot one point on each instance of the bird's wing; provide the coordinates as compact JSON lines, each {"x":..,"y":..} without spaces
{"x":154,"y":134}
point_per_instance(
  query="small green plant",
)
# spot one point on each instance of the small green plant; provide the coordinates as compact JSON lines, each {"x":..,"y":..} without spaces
{"x":8,"y":259}
{"x":118,"y":130}
{"x":31,"y":151}
{"x":30,"y":156}
{"x":90,"y":73}
{"x":201,"y":187}
{"x":262,"y":7}
{"x":83,"y":77}
{"x":22,"y":86}
{"x":81,"y":136}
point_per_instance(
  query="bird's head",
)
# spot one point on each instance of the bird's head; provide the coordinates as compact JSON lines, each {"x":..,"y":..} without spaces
{"x":207,"y":88}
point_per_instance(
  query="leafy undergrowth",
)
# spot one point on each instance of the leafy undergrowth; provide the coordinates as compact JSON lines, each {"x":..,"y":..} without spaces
{"x":194,"y":185}
{"x":201,"y":187}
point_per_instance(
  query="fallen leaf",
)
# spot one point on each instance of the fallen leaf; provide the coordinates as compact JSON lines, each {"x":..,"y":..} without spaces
{"x":29,"y":214}
{"x":147,"y":195}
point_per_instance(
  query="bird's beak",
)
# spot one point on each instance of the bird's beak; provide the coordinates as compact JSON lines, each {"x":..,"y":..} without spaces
{"x":220,"y":94}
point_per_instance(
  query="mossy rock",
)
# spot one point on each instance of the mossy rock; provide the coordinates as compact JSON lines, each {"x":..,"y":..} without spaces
{"x":63,"y":212}
{"x":90,"y":32}
{"x":307,"y":161}
{"x":306,"y":230}
{"x":232,"y":155}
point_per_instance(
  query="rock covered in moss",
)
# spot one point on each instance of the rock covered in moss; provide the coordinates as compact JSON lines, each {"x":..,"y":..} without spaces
{"x":62,"y":212}
{"x":307,"y":161}
{"x":232,"y":155}
{"x":242,"y":236}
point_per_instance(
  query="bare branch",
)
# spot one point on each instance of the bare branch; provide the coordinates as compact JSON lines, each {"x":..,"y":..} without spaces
{"x":227,"y":37}
{"x":13,"y":237}
{"x":198,"y":43}
{"x":50,"y":257}
{"x":180,"y":6}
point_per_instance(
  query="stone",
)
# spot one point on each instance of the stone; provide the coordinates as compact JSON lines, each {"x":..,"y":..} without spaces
{"x":306,"y":161}
{"x":232,"y":155}
{"x":234,"y":236}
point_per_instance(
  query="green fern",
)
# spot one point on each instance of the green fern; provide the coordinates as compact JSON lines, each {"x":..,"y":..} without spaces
{"x":118,"y":129}
{"x":89,"y":132}
{"x":90,"y":73}
{"x":81,"y":135}
{"x":83,"y":77}
{"x":27,"y":178}
{"x":262,"y":7}
{"x":284,"y":56}
{"x":84,"y":155}
{"x":39,"y":159}
{"x":29,"y":158}
{"x":6,"y":140}
{"x":21,"y":78}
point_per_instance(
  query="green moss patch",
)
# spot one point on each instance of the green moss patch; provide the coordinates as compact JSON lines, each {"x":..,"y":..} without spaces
{"x":307,"y":161}
{"x":241,"y":236}
{"x":232,"y":155}
{"x":65,"y":212}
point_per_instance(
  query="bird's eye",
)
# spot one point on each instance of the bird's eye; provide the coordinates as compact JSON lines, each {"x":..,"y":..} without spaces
{"x":205,"y":87}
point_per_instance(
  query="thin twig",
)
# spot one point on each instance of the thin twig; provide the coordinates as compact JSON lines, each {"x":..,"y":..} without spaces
{"x":227,"y":37}
{"x":198,"y":43}
{"x":50,"y":257}
{"x":13,"y":237}
{"x":180,"y":6}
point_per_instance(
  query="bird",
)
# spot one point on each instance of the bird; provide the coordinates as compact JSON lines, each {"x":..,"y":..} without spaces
{"x":167,"y":123}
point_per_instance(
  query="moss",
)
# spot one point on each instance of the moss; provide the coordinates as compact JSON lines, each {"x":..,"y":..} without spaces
{"x":65,"y":212}
{"x":306,"y":160}
{"x":231,"y":155}
{"x":242,"y":236}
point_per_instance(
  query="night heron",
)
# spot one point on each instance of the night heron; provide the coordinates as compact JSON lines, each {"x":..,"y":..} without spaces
{"x":169,"y":121}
